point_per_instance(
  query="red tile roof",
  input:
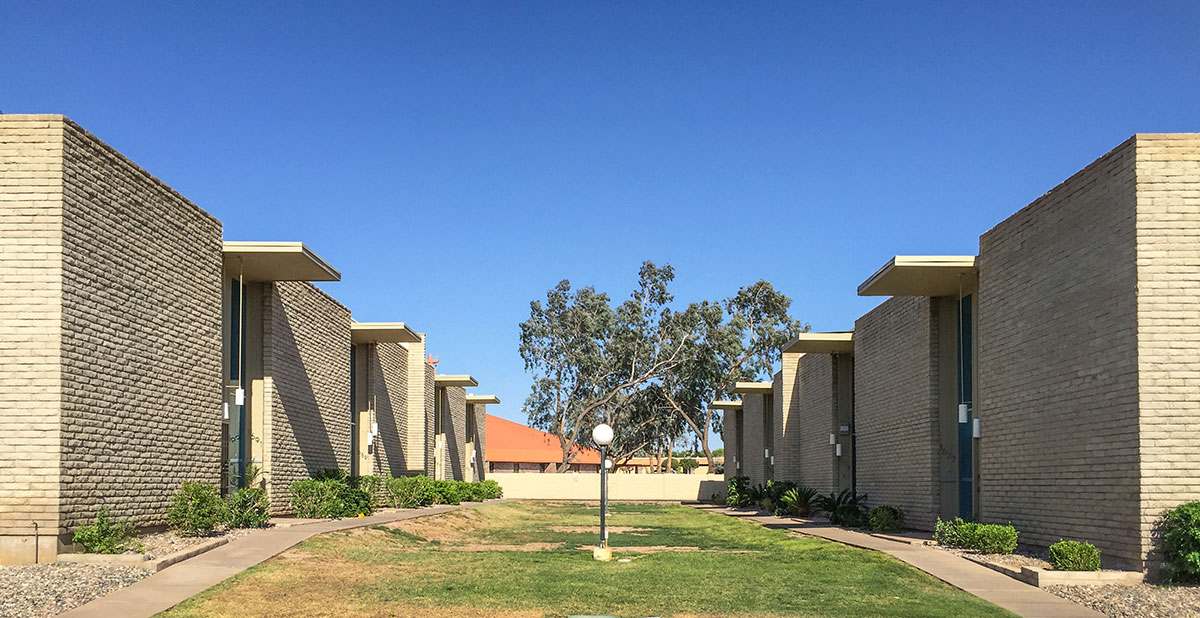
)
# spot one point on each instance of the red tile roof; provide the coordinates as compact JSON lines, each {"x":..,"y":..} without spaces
{"x":509,"y":442}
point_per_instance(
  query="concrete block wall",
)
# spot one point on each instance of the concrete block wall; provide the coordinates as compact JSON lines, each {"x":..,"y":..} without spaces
{"x":141,"y":347}
{"x":1167,"y":229}
{"x":429,"y":393}
{"x":389,"y":387}
{"x":789,"y":427}
{"x":478,"y":411}
{"x":813,"y":403}
{"x":1058,"y":356}
{"x":31,"y":263}
{"x":454,"y":427}
{"x":752,"y":438}
{"x":306,"y":357}
{"x":896,"y":412}
{"x":418,"y":429}
{"x":729,"y":438}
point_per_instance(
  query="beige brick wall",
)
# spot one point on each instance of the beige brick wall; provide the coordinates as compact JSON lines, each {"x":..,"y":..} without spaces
{"x":306,"y":356}
{"x":430,"y":396}
{"x":752,"y":438}
{"x":141,"y":347}
{"x":788,"y":426}
{"x":453,"y":409}
{"x":417,"y":427}
{"x":478,"y":437}
{"x":1168,"y":304}
{"x":1058,"y":357}
{"x":809,"y":398}
{"x":729,"y":437}
{"x":896,"y":414}
{"x":389,"y":387}
{"x":31,"y":171}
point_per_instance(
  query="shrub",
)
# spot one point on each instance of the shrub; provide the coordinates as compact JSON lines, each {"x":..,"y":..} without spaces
{"x":772,"y":500}
{"x":1180,"y":529}
{"x":329,"y":497}
{"x":355,"y":502}
{"x":1074,"y":556}
{"x":886,"y":519}
{"x":983,"y":538}
{"x":491,"y":490}
{"x":375,"y":486}
{"x":106,"y":535}
{"x":799,"y":501}
{"x":843,"y":509}
{"x":196,"y":509}
{"x":738,"y":493}
{"x":332,"y":474}
{"x":410,"y":492}
{"x":248,"y":508}
{"x":447,"y":492}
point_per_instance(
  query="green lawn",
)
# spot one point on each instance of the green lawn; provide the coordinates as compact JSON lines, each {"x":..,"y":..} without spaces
{"x":523,"y":559}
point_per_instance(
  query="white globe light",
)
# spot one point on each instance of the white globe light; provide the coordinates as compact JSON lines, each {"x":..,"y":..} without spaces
{"x":602,"y":434}
{"x":608,"y":464}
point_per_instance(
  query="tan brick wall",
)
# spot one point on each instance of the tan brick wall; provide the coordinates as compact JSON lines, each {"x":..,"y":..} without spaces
{"x":453,"y":408}
{"x":306,"y":355}
{"x":788,"y":425}
{"x":141,"y":348}
{"x":752,"y":438}
{"x":31,"y":171}
{"x":417,"y":428}
{"x":729,"y":437}
{"x":895,"y":379}
{"x":1168,"y":304}
{"x":389,"y":387}
{"x":479,"y":438}
{"x":430,"y":394}
{"x":1058,"y":357}
{"x":809,"y":396}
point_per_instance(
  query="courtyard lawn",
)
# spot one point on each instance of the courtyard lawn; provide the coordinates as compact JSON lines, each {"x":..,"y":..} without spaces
{"x":529,"y":559}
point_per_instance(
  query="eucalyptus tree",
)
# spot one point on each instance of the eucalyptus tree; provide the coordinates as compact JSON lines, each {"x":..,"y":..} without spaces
{"x":588,"y":358}
{"x":740,"y":338}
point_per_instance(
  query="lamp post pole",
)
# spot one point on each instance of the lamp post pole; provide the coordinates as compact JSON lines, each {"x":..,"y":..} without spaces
{"x":602,"y":435}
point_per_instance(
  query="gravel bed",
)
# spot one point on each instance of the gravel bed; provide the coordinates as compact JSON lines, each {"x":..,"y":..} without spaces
{"x":1024,"y":556}
{"x":162,"y":544}
{"x":30,"y":591}
{"x":1139,"y":601}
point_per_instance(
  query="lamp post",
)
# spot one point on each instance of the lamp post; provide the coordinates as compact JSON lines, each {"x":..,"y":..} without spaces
{"x":603,"y":436}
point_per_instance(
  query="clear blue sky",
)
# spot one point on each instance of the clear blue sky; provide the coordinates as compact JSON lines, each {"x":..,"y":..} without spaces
{"x":505,"y":146}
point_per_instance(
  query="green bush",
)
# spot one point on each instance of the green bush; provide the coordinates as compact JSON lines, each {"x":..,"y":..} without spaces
{"x":1180,"y":543}
{"x":329,"y":497}
{"x":843,"y":509}
{"x":738,"y":493}
{"x":491,"y":490}
{"x":1074,"y":556}
{"x":247,"y":508}
{"x":410,"y":492}
{"x":332,"y":474}
{"x":773,"y":493}
{"x":983,"y":538}
{"x":355,"y":502}
{"x":196,"y":509}
{"x":375,"y":486}
{"x":886,"y":519}
{"x":106,"y":535}
{"x":447,"y":492}
{"x":799,"y":501}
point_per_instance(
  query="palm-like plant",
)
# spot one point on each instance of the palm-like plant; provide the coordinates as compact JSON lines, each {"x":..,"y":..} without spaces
{"x":844,"y":509}
{"x":799,"y":500}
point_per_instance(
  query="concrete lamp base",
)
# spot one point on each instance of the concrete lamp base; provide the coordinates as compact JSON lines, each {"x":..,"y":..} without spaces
{"x":602,"y":553}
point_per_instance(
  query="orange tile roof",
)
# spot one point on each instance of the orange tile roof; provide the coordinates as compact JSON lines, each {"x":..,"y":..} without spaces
{"x":509,"y":442}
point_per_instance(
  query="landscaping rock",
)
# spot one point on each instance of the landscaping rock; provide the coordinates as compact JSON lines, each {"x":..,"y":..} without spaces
{"x":1139,"y":601}
{"x":31,"y":591}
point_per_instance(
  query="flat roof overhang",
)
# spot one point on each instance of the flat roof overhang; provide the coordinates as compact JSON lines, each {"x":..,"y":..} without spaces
{"x":922,"y":275}
{"x":276,"y":261}
{"x":454,"y":380}
{"x":382,"y":332}
{"x":487,"y":399}
{"x":821,"y":343}
{"x":753,"y":388}
{"x":726,"y":405}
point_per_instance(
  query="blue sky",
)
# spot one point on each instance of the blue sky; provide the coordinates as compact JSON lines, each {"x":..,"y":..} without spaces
{"x":505,"y":146}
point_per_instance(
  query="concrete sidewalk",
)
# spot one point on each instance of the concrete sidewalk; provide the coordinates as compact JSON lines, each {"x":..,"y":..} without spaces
{"x":168,"y":587}
{"x":1017,"y":597}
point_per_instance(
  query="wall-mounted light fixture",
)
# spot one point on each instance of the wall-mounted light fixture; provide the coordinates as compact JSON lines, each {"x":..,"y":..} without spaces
{"x":838,"y":450}
{"x":963,"y":411}
{"x":239,"y":397}
{"x":832,"y":439}
{"x":766,"y":453}
{"x":772,"y":461}
{"x":976,"y":431}
{"x":225,"y":409}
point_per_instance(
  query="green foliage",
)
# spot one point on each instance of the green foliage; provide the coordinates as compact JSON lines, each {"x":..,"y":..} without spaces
{"x":247,"y":508}
{"x":448,"y":492}
{"x":1074,"y":556}
{"x":332,"y":474}
{"x":106,"y":535}
{"x":1180,"y":528}
{"x":491,"y":490}
{"x":410,"y":492}
{"x":375,"y":486}
{"x":983,"y":538}
{"x":196,"y":509}
{"x":738,"y":493}
{"x":886,"y":519}
{"x":798,"y":501}
{"x":329,"y":497}
{"x":773,"y":493}
{"x":843,"y":509}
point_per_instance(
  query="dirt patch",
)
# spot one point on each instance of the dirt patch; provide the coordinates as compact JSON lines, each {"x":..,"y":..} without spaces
{"x":522,"y":547}
{"x":451,"y":527}
{"x":654,"y":549}
{"x":612,"y":529}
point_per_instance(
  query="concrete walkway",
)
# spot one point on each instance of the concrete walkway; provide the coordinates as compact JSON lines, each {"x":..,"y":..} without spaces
{"x":168,"y":587}
{"x":1017,"y":597}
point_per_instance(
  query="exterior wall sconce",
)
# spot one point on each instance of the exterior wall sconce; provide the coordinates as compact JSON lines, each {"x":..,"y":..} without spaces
{"x":963,"y":410}
{"x":976,"y":431}
{"x":772,"y":461}
{"x":832,"y":439}
{"x":766,"y":453}
{"x":737,"y":464}
{"x":239,"y":397}
{"x":838,"y":450}
{"x":225,"y":409}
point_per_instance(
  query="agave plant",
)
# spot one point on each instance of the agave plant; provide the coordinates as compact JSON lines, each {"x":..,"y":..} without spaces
{"x":798,"y":501}
{"x":844,"y":509}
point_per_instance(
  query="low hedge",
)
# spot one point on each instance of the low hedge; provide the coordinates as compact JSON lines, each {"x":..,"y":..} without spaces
{"x":1180,"y":543}
{"x":416,"y":491}
{"x":886,"y":519}
{"x":983,"y":538}
{"x":329,"y":497}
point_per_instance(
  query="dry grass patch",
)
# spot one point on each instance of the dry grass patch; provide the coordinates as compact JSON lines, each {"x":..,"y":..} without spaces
{"x":611,"y":529}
